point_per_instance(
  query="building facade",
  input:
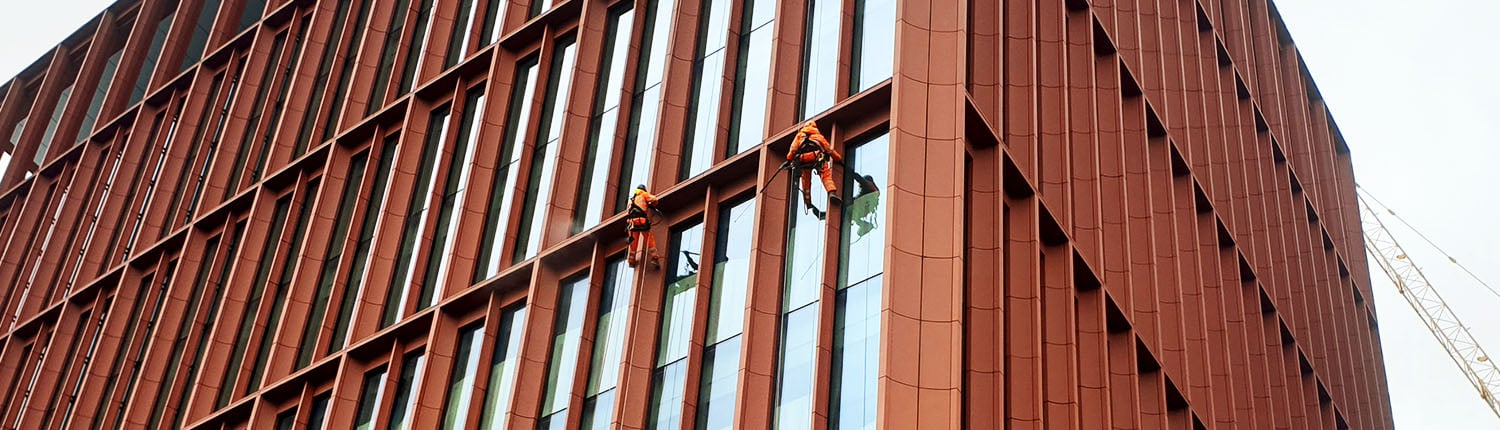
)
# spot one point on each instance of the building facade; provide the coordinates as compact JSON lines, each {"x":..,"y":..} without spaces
{"x":246,"y":214}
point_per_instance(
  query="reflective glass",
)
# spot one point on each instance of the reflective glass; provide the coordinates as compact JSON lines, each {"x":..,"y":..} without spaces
{"x":356,"y":273}
{"x":206,"y":14}
{"x":463,"y":27}
{"x":459,"y":167}
{"x":331,"y":124}
{"x":101,"y":89}
{"x":252,"y":12}
{"x":503,"y":361}
{"x":51,"y":131}
{"x":461,"y":385}
{"x":609,"y":334}
{"x":598,"y":410}
{"x":605,"y":121}
{"x":286,"y":419}
{"x":289,"y":257}
{"x":143,"y":76}
{"x":752,"y":83}
{"x":856,"y":331}
{"x":668,"y":385}
{"x":721,"y":371}
{"x":331,"y":260}
{"x":502,"y":194}
{"x":640,"y":140}
{"x":863,"y":247}
{"x":544,"y":156}
{"x":708,"y":89}
{"x":409,"y":383}
{"x":252,"y":305}
{"x":820,"y":57}
{"x":319,"y":413}
{"x":388,"y":56}
{"x":874,"y":42}
{"x":369,"y":399}
{"x":325,"y":70}
{"x":798,"y":365}
{"x":417,"y":47}
{"x":666,"y":396}
{"x":567,"y":333}
{"x":404,"y":274}
{"x":490,"y":31}
{"x":726,"y":309}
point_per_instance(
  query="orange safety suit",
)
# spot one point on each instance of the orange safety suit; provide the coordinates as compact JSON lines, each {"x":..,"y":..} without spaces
{"x":638,"y":224}
{"x":811,"y":151}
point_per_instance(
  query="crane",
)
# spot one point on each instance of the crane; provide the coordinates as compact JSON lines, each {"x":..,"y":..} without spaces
{"x":1434,"y":312}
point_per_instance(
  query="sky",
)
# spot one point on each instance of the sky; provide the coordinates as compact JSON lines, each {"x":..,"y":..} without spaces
{"x":1414,"y":89}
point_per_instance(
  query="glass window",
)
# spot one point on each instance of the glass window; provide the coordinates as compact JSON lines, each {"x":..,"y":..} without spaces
{"x":286,"y":419}
{"x":708,"y":89}
{"x":463,"y":27}
{"x":609,"y":344}
{"x":290,"y":255}
{"x":347,"y":203}
{"x":143,"y":77}
{"x":369,"y":398}
{"x":157,"y":167}
{"x":503,"y":362}
{"x":284,"y":67}
{"x":226,"y":262}
{"x":148,"y":332}
{"x":680,"y":298}
{"x":101,"y":89}
{"x":331,"y":52}
{"x":213,"y":144}
{"x":51,"y":131}
{"x":252,"y":304}
{"x":502,"y":197}
{"x":567,"y":333}
{"x":544,"y":157}
{"x":537,"y":7}
{"x":251,"y":13}
{"x":465,"y":367}
{"x":820,"y":57}
{"x":856,"y":318}
{"x":4,"y":163}
{"x":88,"y":358}
{"x":874,"y":42}
{"x":493,"y":13}
{"x":803,"y":284}
{"x":195,"y":49}
{"x":184,"y":329}
{"x":726,"y":317}
{"x":640,"y":140}
{"x":388,"y":56}
{"x":356,"y":273}
{"x":453,"y":195}
{"x":332,"y":123}
{"x":752,"y":82}
{"x":423,"y":186}
{"x":408,"y":384}
{"x":606,"y":118}
{"x":319,"y":413}
{"x":416,"y":47}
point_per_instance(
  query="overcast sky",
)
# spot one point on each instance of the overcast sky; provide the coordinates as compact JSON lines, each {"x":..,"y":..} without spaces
{"x":1413,"y":86}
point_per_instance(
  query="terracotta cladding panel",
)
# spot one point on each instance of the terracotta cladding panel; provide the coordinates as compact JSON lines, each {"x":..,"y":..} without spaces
{"x":1132,"y":213}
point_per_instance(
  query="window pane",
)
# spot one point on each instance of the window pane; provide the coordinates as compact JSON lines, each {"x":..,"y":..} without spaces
{"x":798,"y":362}
{"x":609,"y":334}
{"x":251,"y":13}
{"x":726,"y":309}
{"x":463,"y":27}
{"x":100,"y":90}
{"x":366,"y":238}
{"x":290,"y":255}
{"x":286,"y":419}
{"x":249,"y":140}
{"x":598,"y":411}
{"x":184,"y":328}
{"x":206,"y":14}
{"x":676,"y":327}
{"x":369,"y":399}
{"x":539,"y":6}
{"x":490,"y":32}
{"x":407,"y":385}
{"x":572,"y":301}
{"x":863,"y":246}
{"x":252,"y":305}
{"x":329,"y":274}
{"x":57,"y":111}
{"x":804,"y":257}
{"x":388,"y":56}
{"x":319,"y":413}
{"x":666,"y":396}
{"x":415,"y":228}
{"x":640,"y":141}
{"x":708,"y":88}
{"x":454,"y":188}
{"x":856,"y":332}
{"x":605,"y":121}
{"x":227,"y":263}
{"x":721,"y":373}
{"x":503,"y":362}
{"x":331,"y":124}
{"x":502,"y":195}
{"x":461,"y":386}
{"x":856,"y":356}
{"x":143,"y":76}
{"x":874,"y":42}
{"x":820,"y":61}
{"x":417,"y":47}
{"x":753,"y":77}
{"x":544,"y":156}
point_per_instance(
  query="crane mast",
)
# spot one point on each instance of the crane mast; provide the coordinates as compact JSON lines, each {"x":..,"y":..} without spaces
{"x":1434,"y":312}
